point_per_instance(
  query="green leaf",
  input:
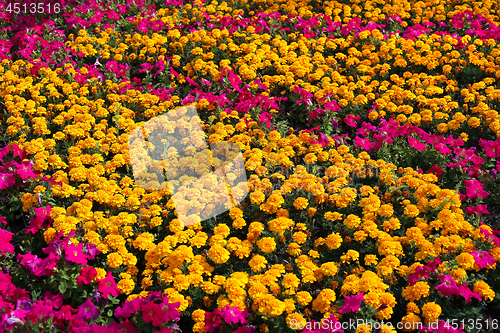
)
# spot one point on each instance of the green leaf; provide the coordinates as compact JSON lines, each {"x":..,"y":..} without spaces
{"x":62,"y":288}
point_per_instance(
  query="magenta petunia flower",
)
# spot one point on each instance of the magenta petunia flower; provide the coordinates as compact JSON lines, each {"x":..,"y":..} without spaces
{"x":213,"y":320}
{"x":56,"y":300}
{"x":420,"y":273}
{"x":87,"y":274}
{"x":74,"y":253}
{"x":467,"y":293}
{"x":87,"y":310}
{"x":448,"y":287}
{"x":4,"y":152}
{"x":7,"y":180}
{"x":481,"y":209}
{"x":128,"y":308}
{"x":25,"y":171}
{"x":5,"y":245}
{"x":47,"y":265}
{"x":416,"y":144}
{"x":483,"y":258}
{"x":474,"y":188}
{"x":234,"y":315}
{"x":352,"y":303}
{"x":192,"y":82}
{"x":152,"y":313}
{"x":170,"y":310}
{"x":107,"y":286}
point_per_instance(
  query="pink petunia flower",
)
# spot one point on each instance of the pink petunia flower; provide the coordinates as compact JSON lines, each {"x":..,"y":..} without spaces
{"x":152,"y":313}
{"x":448,"y":287}
{"x":170,"y":310}
{"x":234,"y":315}
{"x":420,"y":273}
{"x":47,"y":265}
{"x":4,"y":152}
{"x":128,"y":308}
{"x":74,"y":253}
{"x":467,"y":293}
{"x":107,"y":286}
{"x":352,"y":303}
{"x":87,"y":310}
{"x":5,"y":239}
{"x":483,"y":258}
{"x":192,"y":82}
{"x":416,"y":144}
{"x":7,"y":180}
{"x":25,"y":171}
{"x":87,"y":275}
{"x":474,"y":188}
{"x":481,"y":209}
{"x":436,"y":170}
{"x":213,"y":320}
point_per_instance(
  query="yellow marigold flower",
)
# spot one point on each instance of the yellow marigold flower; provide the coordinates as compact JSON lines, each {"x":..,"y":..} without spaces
{"x":329,"y":268}
{"x":370,"y":259}
{"x":280,"y":225}
{"x":300,"y":203}
{"x":343,"y":150}
{"x":431,"y":311}
{"x":299,"y":237}
{"x":310,"y":158}
{"x":386,"y":210}
{"x":257,"y":263}
{"x":484,"y":290}
{"x":360,"y":236}
{"x":323,"y":300}
{"x":333,"y":241}
{"x":101,"y":273}
{"x":295,"y":321}
{"x":235,"y":213}
{"x":114,"y":260}
{"x":392,"y":224}
{"x":274,"y":136}
{"x":416,"y":292}
{"x":474,"y":122}
{"x":352,"y":221}
{"x":411,"y":322}
{"x":293,"y":249}
{"x":209,"y":287}
{"x":290,"y":281}
{"x":266,"y":244}
{"x":313,"y":254}
{"x":333,"y":216}
{"x":198,"y":315}
{"x":411,"y":307}
{"x":218,"y":254}
{"x":465,"y":260}
{"x":181,"y":282}
{"x":312,"y":211}
{"x":144,"y":241}
{"x":274,"y":308}
{"x":303,"y":298}
{"x":126,"y":286}
{"x":411,"y":210}
{"x":49,"y":235}
{"x":222,"y":230}
{"x":239,"y":223}
{"x":275,"y":200}
{"x":257,"y":197}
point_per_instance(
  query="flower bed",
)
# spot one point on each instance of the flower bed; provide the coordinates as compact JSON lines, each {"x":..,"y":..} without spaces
{"x":368,"y":135}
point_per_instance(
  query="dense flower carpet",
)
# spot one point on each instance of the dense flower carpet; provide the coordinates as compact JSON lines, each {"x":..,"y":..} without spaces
{"x":368,"y":133}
